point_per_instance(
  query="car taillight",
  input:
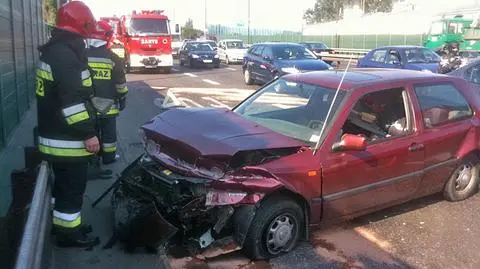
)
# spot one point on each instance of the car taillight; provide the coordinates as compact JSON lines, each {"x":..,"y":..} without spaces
{"x":220,"y":197}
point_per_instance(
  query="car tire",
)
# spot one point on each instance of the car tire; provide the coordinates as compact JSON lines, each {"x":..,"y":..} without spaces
{"x":247,"y":77}
{"x":276,"y":228}
{"x":181,"y":63}
{"x":463,"y":182}
{"x":190,"y":63}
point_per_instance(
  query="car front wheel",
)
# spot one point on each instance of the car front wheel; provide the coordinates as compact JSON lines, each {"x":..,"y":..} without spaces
{"x":275,"y":230}
{"x":463,"y":182}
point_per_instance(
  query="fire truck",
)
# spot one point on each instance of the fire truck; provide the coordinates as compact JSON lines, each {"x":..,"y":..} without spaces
{"x":147,"y":39}
{"x":116,"y":44}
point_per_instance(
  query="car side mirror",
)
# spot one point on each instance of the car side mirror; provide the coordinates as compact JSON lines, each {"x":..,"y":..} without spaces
{"x":350,"y":142}
{"x":268,"y":59}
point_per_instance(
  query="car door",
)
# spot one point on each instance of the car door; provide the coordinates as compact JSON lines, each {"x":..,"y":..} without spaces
{"x":255,"y":63}
{"x":266,"y":67}
{"x":393,"y":59}
{"x":389,"y":171}
{"x":183,"y":53}
{"x":472,"y":75}
{"x":445,"y":122}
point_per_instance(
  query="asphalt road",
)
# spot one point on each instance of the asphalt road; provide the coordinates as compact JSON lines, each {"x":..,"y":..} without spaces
{"x":427,"y":233}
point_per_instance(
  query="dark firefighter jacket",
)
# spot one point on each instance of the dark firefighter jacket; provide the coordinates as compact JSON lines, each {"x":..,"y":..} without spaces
{"x":63,"y":90}
{"x":108,"y":77}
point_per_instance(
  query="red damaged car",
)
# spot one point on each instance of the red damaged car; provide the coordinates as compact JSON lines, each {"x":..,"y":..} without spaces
{"x":262,"y":174}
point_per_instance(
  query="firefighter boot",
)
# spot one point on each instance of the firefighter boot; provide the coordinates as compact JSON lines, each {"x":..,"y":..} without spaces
{"x":75,"y":239}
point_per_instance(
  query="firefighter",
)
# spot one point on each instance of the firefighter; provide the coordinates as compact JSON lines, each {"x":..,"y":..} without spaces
{"x":109,"y":82}
{"x":66,"y":126}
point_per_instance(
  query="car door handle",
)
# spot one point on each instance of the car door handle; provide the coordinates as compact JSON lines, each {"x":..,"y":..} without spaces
{"x":416,"y":147}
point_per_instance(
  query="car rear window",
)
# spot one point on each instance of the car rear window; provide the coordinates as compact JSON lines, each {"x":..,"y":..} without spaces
{"x":442,"y":103}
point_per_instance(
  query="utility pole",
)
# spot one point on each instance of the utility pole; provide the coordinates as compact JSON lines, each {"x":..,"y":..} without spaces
{"x":205,"y":27}
{"x":248,"y":27}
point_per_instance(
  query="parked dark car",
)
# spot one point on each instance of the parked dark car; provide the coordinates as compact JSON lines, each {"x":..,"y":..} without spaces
{"x":319,"y":48}
{"x":470,"y":72}
{"x":266,"y":61}
{"x":263,"y":172}
{"x":402,"y":57}
{"x":198,"y":53}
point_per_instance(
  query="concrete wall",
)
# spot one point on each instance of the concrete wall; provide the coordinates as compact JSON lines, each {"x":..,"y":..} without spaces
{"x":21,"y":31}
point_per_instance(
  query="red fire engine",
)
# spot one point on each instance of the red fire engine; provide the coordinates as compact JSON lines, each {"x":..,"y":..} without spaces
{"x":147,"y":40}
{"x":116,"y":44}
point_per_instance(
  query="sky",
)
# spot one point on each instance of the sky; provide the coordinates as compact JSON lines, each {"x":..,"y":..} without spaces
{"x":279,"y":14}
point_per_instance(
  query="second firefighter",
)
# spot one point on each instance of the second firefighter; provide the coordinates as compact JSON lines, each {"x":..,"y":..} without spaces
{"x":109,"y":82}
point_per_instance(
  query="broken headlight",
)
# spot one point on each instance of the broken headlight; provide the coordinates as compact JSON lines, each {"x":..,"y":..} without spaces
{"x":220,"y":197}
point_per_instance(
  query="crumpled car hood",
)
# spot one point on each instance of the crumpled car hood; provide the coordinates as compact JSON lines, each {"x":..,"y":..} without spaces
{"x":213,"y":132}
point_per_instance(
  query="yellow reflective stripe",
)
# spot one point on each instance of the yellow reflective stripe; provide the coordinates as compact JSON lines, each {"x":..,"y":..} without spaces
{"x":122,"y":90}
{"x":77,"y":117}
{"x":112,"y":111}
{"x":87,"y":82}
{"x":101,"y":65}
{"x":67,"y":224}
{"x":109,"y":149}
{"x":63,"y":152}
{"x":44,"y":74}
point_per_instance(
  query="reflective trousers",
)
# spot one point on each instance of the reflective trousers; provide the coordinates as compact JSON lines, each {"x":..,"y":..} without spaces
{"x":68,"y":191}
{"x":108,"y":139}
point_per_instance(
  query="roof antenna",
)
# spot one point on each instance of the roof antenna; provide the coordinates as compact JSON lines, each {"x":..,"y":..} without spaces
{"x":331,"y":105}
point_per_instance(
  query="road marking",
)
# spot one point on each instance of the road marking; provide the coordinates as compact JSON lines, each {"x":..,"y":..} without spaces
{"x":175,"y":70}
{"x":229,"y":68}
{"x":190,"y":75}
{"x":171,"y":100}
{"x":185,"y":101}
{"x":158,"y":88}
{"x":217,"y":103}
{"x":211,"y":82}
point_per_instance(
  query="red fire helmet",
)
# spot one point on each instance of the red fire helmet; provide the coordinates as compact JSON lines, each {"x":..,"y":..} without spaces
{"x":76,"y":17}
{"x":103,"y":31}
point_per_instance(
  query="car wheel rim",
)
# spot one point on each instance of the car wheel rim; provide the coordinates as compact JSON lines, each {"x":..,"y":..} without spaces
{"x":464,"y":178}
{"x":280,"y":233}
{"x":247,"y":76}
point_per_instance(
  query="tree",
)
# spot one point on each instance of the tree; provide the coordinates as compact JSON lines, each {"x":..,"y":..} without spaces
{"x":50,"y":11}
{"x":189,"y":32}
{"x":331,"y":10}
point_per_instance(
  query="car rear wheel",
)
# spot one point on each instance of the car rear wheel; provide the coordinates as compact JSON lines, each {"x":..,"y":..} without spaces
{"x":275,"y":230}
{"x":247,"y":77}
{"x":463,"y":182}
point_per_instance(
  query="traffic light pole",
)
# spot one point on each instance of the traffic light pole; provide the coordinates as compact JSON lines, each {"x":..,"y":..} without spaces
{"x":248,"y":30}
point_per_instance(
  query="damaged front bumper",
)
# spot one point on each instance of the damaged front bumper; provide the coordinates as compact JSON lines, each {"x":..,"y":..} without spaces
{"x":154,"y":207}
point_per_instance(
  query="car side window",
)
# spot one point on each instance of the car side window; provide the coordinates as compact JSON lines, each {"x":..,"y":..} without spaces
{"x":380,"y":116}
{"x":441,"y":103}
{"x":378,"y":56}
{"x":267,"y":52}
{"x":393,"y":57}
{"x":258,"y":51}
{"x":473,"y":75}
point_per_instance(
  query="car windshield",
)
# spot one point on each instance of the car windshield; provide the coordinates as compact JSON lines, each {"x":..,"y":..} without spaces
{"x":199,"y":47}
{"x":294,"y":109}
{"x":292,"y":53}
{"x":235,"y":45}
{"x":421,"y":55}
{"x":148,"y":27}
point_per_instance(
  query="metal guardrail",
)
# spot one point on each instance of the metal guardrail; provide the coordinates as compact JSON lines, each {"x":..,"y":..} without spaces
{"x":32,"y":249}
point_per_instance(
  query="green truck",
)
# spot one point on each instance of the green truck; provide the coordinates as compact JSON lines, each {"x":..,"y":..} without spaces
{"x":454,"y":29}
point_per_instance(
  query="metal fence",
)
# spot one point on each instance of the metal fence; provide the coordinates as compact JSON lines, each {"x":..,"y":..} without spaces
{"x":367,"y":41}
{"x":34,"y":251}
{"x":22,"y":30}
